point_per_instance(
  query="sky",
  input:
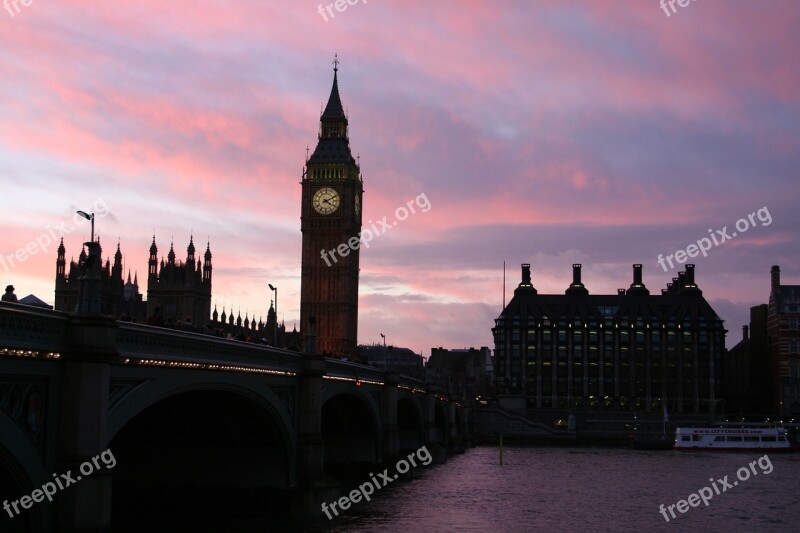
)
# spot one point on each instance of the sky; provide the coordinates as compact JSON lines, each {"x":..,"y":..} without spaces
{"x":548,"y":132}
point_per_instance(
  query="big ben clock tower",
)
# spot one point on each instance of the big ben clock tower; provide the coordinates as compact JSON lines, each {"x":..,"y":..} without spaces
{"x":331,"y":223}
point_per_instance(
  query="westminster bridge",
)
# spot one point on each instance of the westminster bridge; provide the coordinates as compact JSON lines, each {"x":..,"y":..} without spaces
{"x":192,"y":419}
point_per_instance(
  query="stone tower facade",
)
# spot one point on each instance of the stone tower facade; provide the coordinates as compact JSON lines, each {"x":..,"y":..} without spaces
{"x":332,"y":191}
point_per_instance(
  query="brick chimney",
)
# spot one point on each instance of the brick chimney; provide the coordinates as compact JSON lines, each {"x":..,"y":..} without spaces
{"x":577,"y":287}
{"x":637,"y":275}
{"x":525,"y":284}
{"x":576,"y":275}
{"x":637,"y":287}
{"x":526,"y":274}
{"x":690,"y":275}
{"x":745,"y":332}
{"x":775,"y":274}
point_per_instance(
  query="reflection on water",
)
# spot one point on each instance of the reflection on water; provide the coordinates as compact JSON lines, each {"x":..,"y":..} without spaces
{"x":578,"y":489}
{"x":566,"y":489}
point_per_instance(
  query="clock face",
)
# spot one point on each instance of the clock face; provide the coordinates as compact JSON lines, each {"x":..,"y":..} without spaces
{"x":358,"y":204}
{"x":325,"y":201}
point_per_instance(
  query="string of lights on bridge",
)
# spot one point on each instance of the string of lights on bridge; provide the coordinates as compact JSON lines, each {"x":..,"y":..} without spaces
{"x":205,"y":366}
{"x":16,"y":352}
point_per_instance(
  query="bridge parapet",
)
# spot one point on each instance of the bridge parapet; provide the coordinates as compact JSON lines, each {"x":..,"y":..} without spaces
{"x":167,"y":347}
{"x":29,"y":328}
{"x":338,"y":369}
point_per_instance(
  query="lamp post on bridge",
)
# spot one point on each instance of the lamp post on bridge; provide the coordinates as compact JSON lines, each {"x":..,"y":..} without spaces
{"x":275,"y":289}
{"x":89,"y":291}
{"x":384,"y":352}
{"x":387,"y":355}
{"x":90,"y":217}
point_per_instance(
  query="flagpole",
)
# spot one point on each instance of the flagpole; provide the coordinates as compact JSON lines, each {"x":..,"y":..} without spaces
{"x":504,"y":285}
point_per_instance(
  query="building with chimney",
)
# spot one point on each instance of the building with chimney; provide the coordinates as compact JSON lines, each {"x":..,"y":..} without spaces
{"x":783,"y":333}
{"x":749,"y":387}
{"x":630,"y":351}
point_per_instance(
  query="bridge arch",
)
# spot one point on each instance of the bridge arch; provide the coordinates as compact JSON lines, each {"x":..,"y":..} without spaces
{"x":21,"y":471}
{"x":441,"y":424}
{"x":150,"y":392}
{"x":410,"y":424}
{"x":351,"y":429}
{"x":213,"y":450}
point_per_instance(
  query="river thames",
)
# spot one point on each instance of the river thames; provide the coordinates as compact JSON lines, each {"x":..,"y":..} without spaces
{"x":582,"y":489}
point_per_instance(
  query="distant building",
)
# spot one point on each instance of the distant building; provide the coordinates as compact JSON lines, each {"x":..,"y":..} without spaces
{"x":748,"y":385}
{"x":783,"y":329}
{"x":33,"y":301}
{"x":118,"y":298}
{"x":629,"y":351}
{"x":466,"y":373}
{"x":134,"y":307}
{"x":181,"y":290}
{"x":394,"y":358}
{"x":225,"y":325}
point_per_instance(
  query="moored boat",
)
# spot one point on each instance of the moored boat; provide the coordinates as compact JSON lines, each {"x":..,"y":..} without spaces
{"x":735,"y":439}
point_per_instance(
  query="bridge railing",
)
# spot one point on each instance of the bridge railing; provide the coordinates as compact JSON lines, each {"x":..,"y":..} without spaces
{"x":347,"y":369}
{"x":344,"y":369}
{"x":31,"y":328}
{"x":44,"y":331}
{"x":163,"y":344}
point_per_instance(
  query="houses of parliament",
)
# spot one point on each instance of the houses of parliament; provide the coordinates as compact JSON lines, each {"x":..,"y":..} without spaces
{"x":179,"y":291}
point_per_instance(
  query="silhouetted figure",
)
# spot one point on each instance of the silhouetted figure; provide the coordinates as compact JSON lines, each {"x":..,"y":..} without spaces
{"x":9,"y":296}
{"x":156,"y":319}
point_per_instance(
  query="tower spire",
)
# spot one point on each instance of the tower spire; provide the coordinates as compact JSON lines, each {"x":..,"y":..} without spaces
{"x":333,"y":146}
{"x":334,"y":110}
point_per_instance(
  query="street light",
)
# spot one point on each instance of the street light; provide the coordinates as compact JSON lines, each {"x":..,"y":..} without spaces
{"x":385,"y":359}
{"x":273,"y":288}
{"x":89,"y":217}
